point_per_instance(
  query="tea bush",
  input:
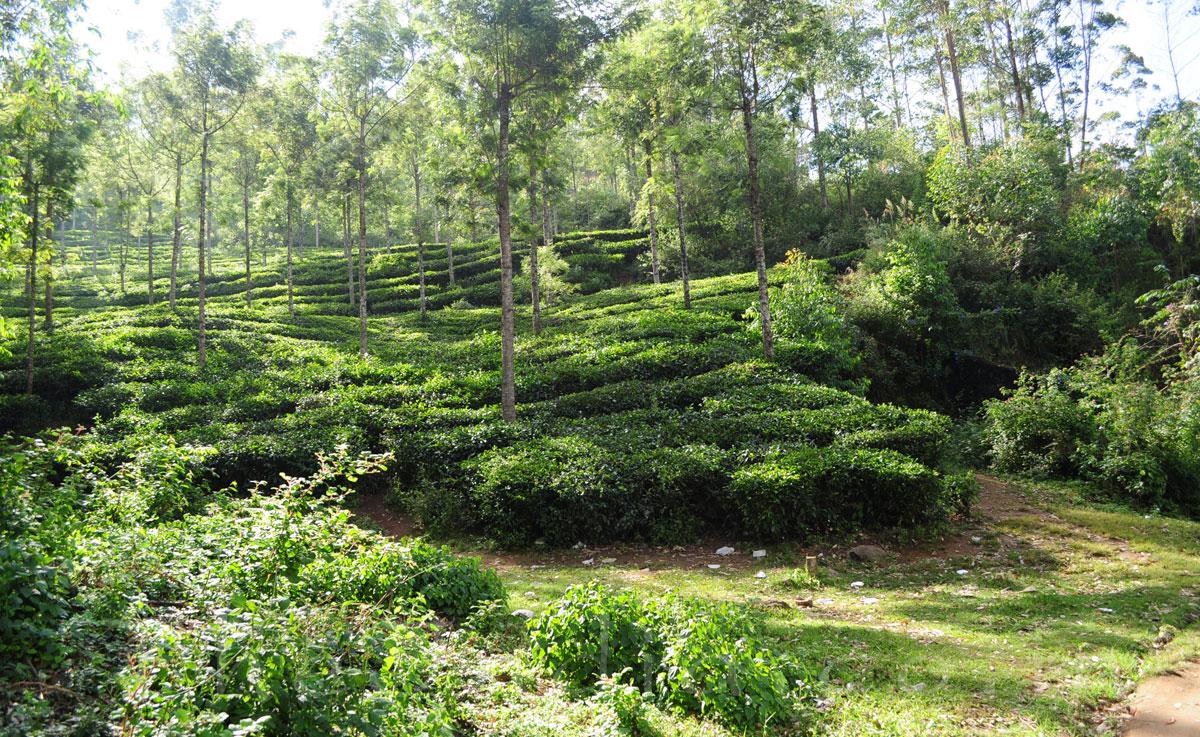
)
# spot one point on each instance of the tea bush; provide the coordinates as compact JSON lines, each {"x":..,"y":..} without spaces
{"x":820,"y":490}
{"x":692,"y":656}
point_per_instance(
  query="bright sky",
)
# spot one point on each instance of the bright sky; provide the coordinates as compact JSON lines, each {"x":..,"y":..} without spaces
{"x":133,"y":34}
{"x":133,"y":37}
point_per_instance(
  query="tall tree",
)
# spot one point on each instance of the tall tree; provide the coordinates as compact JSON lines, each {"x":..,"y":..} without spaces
{"x":509,"y":49}
{"x":370,"y":53}
{"x":285,"y":107}
{"x":217,"y":68}
{"x":751,"y":44}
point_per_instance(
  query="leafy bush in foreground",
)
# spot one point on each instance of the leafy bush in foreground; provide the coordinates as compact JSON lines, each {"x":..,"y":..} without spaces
{"x":693,"y":656}
{"x":281,"y":671}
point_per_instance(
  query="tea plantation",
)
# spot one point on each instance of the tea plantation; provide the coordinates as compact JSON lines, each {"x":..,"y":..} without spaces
{"x":638,"y":420}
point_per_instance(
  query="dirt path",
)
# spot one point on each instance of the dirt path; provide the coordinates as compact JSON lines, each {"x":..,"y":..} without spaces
{"x":1164,"y":706}
{"x":1167,"y":706}
{"x":996,"y":502}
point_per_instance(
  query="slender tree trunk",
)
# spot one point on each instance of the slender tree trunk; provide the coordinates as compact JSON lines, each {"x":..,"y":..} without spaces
{"x":1013,"y":69}
{"x":651,"y":219}
{"x":33,"y":257}
{"x":288,"y":219}
{"x":346,"y":248}
{"x":547,"y":224}
{"x":1086,"y":41}
{"x":48,"y":275}
{"x":208,"y":240}
{"x":1171,"y":48}
{"x":956,"y":74}
{"x":95,"y":244}
{"x":534,"y":286}
{"x":450,"y":257}
{"x":150,"y":251}
{"x":683,"y":257}
{"x":362,"y":238}
{"x":175,"y":238}
{"x":508,"y":388}
{"x":317,"y":224}
{"x":202,"y":350}
{"x":246,"y":240}
{"x":887,"y":36}
{"x":945,"y":92}
{"x":756,"y":216}
{"x":1062,"y":96}
{"x":420,"y":241}
{"x":816,"y":122}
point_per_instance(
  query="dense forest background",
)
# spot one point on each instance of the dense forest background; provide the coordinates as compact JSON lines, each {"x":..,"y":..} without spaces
{"x":535,"y":274}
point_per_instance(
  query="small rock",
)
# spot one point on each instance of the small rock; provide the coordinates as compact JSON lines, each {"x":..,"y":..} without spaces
{"x":1029,"y":590}
{"x":714,"y":566}
{"x":868,"y":553}
{"x":857,"y":585}
{"x":529,"y":595}
{"x":589,"y":561}
{"x":726,"y":550}
{"x":962,"y":571}
{"x":823,"y":602}
{"x":608,"y":560}
{"x":759,"y":554}
{"x":535,"y":567}
{"x":527,"y":614}
{"x":870,"y":600}
{"x":976,"y":540}
{"x":918,"y":687}
{"x":761,"y":574}
{"x":1105,"y":610}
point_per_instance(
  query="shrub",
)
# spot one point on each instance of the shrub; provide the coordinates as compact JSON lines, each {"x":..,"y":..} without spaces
{"x":817,"y":490}
{"x":280,"y":670}
{"x":548,"y":488}
{"x":696,"y":657}
{"x":591,"y":631}
{"x":1039,"y":428}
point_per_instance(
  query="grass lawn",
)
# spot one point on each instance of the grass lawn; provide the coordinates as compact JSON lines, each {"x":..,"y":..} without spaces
{"x":1035,"y":617}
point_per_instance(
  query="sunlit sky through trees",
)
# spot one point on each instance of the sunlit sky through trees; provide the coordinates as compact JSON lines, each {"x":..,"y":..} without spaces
{"x":130,"y":38}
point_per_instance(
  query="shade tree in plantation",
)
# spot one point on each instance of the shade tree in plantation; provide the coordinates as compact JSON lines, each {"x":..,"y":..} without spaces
{"x":244,"y":166}
{"x":751,"y":44}
{"x":49,"y":112}
{"x":507,"y":50}
{"x":284,"y":113}
{"x":140,"y":162}
{"x":158,"y":107}
{"x":370,"y":54}
{"x":216,"y":68}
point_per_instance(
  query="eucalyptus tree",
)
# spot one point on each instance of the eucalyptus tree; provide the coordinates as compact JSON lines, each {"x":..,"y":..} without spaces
{"x":290,"y":135}
{"x":751,"y":45}
{"x":139,"y":160}
{"x":632,"y":106}
{"x":159,"y":107}
{"x":244,"y":165}
{"x":216,"y":69}
{"x":509,"y":49}
{"x":414,"y":143}
{"x":46,"y":118}
{"x":370,"y":53}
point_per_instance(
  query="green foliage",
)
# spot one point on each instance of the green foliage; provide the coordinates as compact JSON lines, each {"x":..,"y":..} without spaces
{"x":810,"y":491}
{"x":695,"y":657}
{"x":1099,"y":421}
{"x":279,"y":670}
{"x":1012,"y":187}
